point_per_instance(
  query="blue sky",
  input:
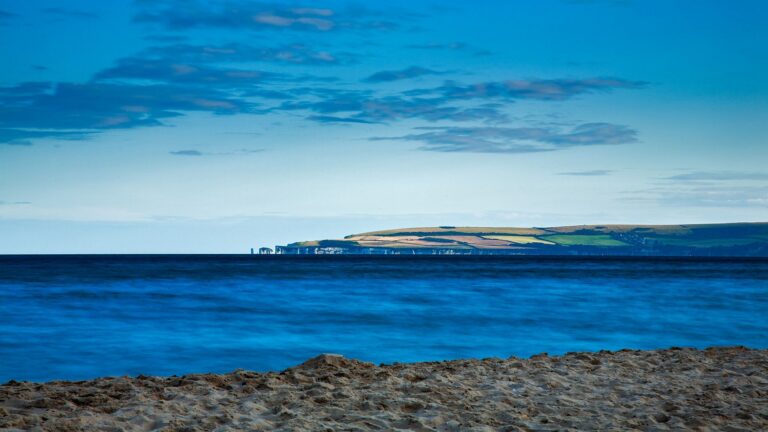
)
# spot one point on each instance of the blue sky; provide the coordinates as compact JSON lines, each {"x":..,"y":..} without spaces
{"x":190,"y":126}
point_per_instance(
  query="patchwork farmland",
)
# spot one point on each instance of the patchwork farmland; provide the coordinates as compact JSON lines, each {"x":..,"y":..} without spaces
{"x":737,"y":239}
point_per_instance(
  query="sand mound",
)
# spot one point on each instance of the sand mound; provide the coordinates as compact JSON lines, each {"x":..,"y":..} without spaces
{"x":677,"y":389}
{"x":332,"y":361}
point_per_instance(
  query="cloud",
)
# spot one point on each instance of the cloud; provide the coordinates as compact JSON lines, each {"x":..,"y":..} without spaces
{"x":708,"y":189}
{"x":451,"y":46}
{"x":10,"y":203}
{"x":694,"y":195}
{"x":542,"y":89}
{"x":136,"y":92}
{"x":166,"y":38}
{"x":396,"y":108}
{"x":165,"y":70}
{"x":718,"y":176}
{"x":69,"y":13}
{"x":591,"y":173}
{"x":67,"y":110}
{"x":186,"y":153}
{"x":210,"y":67}
{"x":334,"y":119}
{"x":517,"y":140}
{"x":608,"y":2}
{"x":200,"y":153}
{"x":6,"y":15}
{"x":167,"y":81}
{"x":363,"y":107}
{"x":448,"y":102}
{"x":298,"y":54}
{"x":146,"y":89}
{"x":255,"y":15}
{"x":395,"y":75}
{"x":24,"y":137}
{"x":594,"y":134}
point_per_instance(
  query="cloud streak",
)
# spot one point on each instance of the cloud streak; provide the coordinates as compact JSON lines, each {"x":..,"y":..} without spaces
{"x":197,"y":153}
{"x":718,"y":176}
{"x":186,"y":153}
{"x":543,"y":89}
{"x":24,"y":137}
{"x":140,"y":92}
{"x":255,"y":15}
{"x":598,"y":2}
{"x":170,"y":80}
{"x":297,"y":54}
{"x":448,"y":102}
{"x":693,"y":195}
{"x":396,"y":75}
{"x":590,"y":173}
{"x":6,"y":14}
{"x":450,"y":46}
{"x":166,"y":38}
{"x":335,"y":119}
{"x":517,"y":140}
{"x":363,"y":108}
{"x":66,"y":110}
{"x":708,"y":189}
{"x":185,"y":73}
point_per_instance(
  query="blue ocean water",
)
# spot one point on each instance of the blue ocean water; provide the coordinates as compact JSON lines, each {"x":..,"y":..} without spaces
{"x":76,"y":317}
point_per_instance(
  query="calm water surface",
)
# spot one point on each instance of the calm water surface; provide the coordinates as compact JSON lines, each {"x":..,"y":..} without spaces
{"x":75,"y":317}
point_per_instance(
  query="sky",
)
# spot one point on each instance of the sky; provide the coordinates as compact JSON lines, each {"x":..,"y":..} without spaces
{"x":184,"y":126}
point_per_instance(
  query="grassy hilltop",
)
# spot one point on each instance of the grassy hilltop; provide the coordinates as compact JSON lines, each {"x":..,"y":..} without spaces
{"x":706,"y":239}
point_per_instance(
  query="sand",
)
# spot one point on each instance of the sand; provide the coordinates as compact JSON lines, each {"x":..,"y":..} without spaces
{"x":678,"y":389}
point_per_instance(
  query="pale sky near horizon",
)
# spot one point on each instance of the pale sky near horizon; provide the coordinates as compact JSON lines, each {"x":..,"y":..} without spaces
{"x":170,"y":126}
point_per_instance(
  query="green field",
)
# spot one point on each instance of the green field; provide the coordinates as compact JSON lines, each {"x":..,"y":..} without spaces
{"x":584,"y":240}
{"x":518,"y":239}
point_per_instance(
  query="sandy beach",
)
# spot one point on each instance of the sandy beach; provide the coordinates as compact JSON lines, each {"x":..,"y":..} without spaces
{"x":676,"y":389}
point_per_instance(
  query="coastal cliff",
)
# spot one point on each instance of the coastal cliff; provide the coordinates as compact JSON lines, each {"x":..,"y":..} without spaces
{"x":717,"y":240}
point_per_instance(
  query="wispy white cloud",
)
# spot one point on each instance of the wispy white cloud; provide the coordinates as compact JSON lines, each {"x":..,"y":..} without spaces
{"x":197,"y":153}
{"x":257,"y":15}
{"x":703,"y":196}
{"x":535,"y":89}
{"x":589,"y":173}
{"x":450,"y":46}
{"x":718,"y":176}
{"x":517,"y":140}
{"x":396,"y":75}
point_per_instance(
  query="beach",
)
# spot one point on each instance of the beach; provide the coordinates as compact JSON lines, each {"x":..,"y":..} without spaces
{"x":674,"y":389}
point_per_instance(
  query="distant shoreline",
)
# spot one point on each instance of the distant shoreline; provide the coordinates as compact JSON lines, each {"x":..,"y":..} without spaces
{"x":727,"y":239}
{"x":348,"y":256}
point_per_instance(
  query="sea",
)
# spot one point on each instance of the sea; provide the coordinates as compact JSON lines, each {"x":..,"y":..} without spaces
{"x":76,"y":317}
